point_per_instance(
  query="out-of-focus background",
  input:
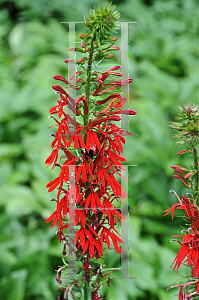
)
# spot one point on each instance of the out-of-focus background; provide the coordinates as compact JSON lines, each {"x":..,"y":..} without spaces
{"x":163,"y":60}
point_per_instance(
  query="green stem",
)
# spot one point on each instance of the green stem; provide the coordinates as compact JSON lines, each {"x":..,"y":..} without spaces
{"x":88,"y":81}
{"x":85,"y":291}
{"x":197,"y":177}
{"x":87,"y":89}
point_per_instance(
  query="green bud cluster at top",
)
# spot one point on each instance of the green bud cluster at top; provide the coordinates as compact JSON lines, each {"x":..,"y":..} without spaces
{"x":102,"y":20}
{"x":97,"y":42}
{"x":189,"y":135}
{"x":188,"y":127}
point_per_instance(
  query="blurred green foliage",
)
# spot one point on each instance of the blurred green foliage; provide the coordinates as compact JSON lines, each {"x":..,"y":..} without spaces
{"x":163,"y":61}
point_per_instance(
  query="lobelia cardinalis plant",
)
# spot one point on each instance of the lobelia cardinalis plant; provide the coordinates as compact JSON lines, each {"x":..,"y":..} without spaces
{"x":189,"y":133}
{"x":93,"y":152}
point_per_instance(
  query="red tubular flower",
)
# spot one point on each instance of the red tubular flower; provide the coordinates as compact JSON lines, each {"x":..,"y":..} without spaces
{"x":125,"y":112}
{"x":183,"y":151}
{"x":83,"y":98}
{"x":104,"y":76}
{"x":190,"y":245}
{"x":107,"y":99}
{"x":59,"y":89}
{"x":58,"y":77}
{"x":189,"y":175}
{"x":183,"y":181}
{"x":112,"y":118}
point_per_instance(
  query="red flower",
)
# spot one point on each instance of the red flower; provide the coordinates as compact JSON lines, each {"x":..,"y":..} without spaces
{"x":190,"y":245}
{"x":183,"y":181}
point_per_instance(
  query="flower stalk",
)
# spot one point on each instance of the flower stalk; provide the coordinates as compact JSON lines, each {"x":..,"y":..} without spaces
{"x":93,"y":153}
{"x":189,"y":135}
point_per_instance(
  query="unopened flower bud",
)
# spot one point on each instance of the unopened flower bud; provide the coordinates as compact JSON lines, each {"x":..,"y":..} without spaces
{"x":114,"y":47}
{"x":113,"y":39}
{"x":83,"y":45}
{"x":81,"y":59}
{"x":109,"y":56}
{"x":79,"y":79}
{"x":68,"y":60}
{"x":182,"y":152}
{"x":83,"y":35}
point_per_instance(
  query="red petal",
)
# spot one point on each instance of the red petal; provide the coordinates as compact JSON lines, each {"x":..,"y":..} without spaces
{"x":65,"y":208}
{"x":76,"y":143}
{"x":89,"y":170}
{"x":52,"y":182}
{"x":58,"y":77}
{"x":60,"y":222}
{"x":84,"y":177}
{"x":53,"y":187}
{"x":83,"y":219}
{"x":54,"y":221}
{"x":107,"y":240}
{"x":93,"y":231}
{"x":91,"y":250}
{"x":81,"y":142}
{"x":89,"y":236}
{"x":70,"y":141}
{"x":59,"y":89}
{"x":77,"y":236}
{"x":98,"y":247}
{"x":96,"y":140}
{"x":93,"y":204}
{"x":77,"y":215}
{"x":51,"y":217}
{"x":50,"y":159}
{"x":88,"y":142}
{"x":85,"y":246}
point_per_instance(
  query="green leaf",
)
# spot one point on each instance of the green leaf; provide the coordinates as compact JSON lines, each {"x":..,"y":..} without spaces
{"x":13,"y":285}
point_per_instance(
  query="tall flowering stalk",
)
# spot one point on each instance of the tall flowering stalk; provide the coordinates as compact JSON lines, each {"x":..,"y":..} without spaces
{"x":189,"y":134}
{"x":93,"y":152}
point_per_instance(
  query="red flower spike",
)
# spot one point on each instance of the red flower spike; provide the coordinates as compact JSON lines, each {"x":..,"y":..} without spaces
{"x":89,"y":183}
